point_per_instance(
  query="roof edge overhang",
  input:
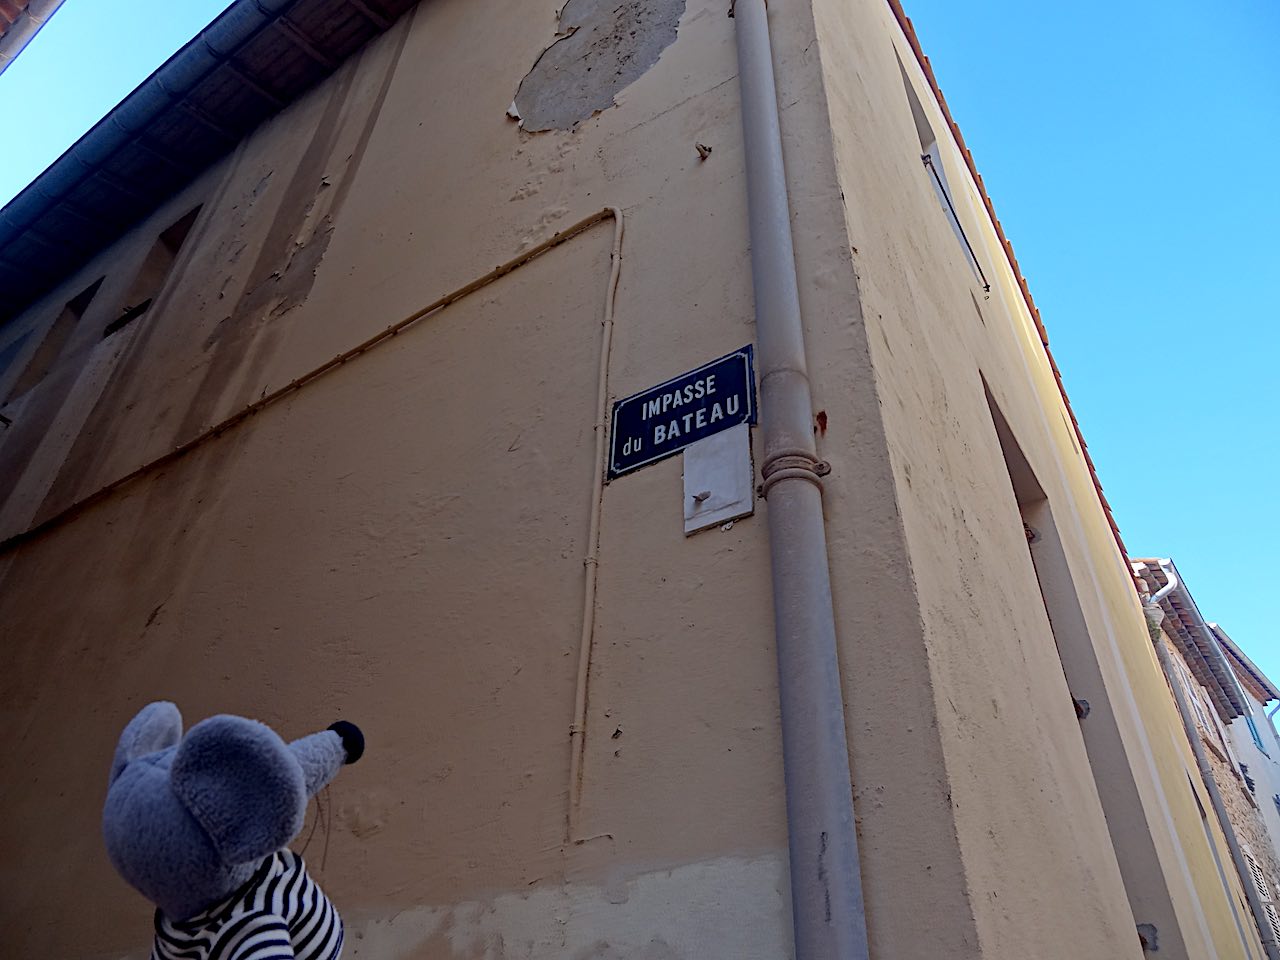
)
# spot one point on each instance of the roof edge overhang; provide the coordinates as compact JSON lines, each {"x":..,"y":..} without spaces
{"x":1251,"y":674}
{"x":318,"y":35}
{"x":1196,"y":641}
{"x":24,"y":29}
{"x":909,"y":29}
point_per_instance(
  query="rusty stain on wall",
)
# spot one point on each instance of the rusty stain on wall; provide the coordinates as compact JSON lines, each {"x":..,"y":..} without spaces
{"x":602,"y":46}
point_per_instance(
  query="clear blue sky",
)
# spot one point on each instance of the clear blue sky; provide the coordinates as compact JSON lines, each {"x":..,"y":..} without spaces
{"x":1130,"y":149}
{"x":83,"y":62}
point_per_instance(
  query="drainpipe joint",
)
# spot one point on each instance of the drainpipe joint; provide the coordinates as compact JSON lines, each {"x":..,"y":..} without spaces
{"x":792,"y":465}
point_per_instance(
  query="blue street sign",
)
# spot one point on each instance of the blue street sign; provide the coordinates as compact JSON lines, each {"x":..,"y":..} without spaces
{"x":667,"y":418}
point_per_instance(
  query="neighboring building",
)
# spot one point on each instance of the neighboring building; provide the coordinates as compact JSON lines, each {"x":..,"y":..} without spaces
{"x":1214,"y":700}
{"x":1253,"y":735}
{"x":306,"y":359}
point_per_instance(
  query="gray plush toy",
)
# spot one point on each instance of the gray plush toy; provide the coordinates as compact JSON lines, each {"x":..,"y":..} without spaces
{"x":198,"y":825}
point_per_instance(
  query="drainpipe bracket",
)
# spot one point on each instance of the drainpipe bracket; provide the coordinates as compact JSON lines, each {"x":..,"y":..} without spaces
{"x":792,"y":467}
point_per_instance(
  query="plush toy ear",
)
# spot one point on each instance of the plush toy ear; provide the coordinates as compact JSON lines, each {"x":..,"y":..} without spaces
{"x":243,"y":786}
{"x":157,"y":726}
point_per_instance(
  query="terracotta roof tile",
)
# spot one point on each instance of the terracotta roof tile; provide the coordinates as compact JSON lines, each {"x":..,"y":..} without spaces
{"x":10,"y":10}
{"x":909,"y":29}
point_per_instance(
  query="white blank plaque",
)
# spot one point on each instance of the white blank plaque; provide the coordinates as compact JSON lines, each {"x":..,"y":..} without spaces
{"x":719,"y":480}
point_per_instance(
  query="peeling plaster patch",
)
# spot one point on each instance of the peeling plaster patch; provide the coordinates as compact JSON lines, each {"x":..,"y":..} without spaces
{"x":602,"y":47}
{"x":725,"y":909}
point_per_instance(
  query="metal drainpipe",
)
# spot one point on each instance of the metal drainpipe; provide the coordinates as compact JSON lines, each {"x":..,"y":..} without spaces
{"x":1155,"y":615}
{"x":826,"y":882}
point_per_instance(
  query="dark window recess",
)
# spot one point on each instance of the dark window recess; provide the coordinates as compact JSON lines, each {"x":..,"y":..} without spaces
{"x":9,"y":353}
{"x":935,"y":168}
{"x":1257,"y":737}
{"x":932,"y":160}
{"x":128,"y":315}
{"x":153,"y":273}
{"x":55,"y":340}
{"x":1199,"y":805}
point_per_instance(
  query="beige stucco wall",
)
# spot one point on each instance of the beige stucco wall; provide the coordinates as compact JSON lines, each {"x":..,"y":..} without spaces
{"x":1025,"y":799}
{"x":1027,"y":820}
{"x":401,"y":542}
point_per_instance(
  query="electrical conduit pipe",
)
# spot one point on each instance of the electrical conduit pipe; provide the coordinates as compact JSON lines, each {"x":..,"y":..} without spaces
{"x":826,"y":882}
{"x":1155,"y":616}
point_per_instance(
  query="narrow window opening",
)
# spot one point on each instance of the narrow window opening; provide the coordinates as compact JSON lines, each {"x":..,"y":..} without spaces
{"x":10,"y":352}
{"x":1224,"y":741}
{"x":1199,"y":805}
{"x":1048,"y":560}
{"x":153,"y":273}
{"x":1257,"y":737}
{"x":1065,"y":624}
{"x":931,"y":157}
{"x":1191,"y":687}
{"x":55,"y":340}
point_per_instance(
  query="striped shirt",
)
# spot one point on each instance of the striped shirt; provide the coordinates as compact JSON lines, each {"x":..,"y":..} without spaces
{"x":280,"y":914}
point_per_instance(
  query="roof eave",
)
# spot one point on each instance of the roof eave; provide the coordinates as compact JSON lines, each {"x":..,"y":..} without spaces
{"x":190,"y":113}
{"x":1246,"y":666}
{"x":1196,"y":642}
{"x":23,"y":30}
{"x":909,"y":29}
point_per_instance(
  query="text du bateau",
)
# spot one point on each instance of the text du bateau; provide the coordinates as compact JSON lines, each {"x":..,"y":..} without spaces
{"x":701,"y":389}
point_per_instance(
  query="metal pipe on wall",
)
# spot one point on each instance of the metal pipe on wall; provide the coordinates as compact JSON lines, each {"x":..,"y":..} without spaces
{"x":1155,"y":616}
{"x":385,"y":335}
{"x":826,"y":882}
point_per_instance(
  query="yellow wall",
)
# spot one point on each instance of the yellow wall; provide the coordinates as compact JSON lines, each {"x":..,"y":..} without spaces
{"x":934,"y":337}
